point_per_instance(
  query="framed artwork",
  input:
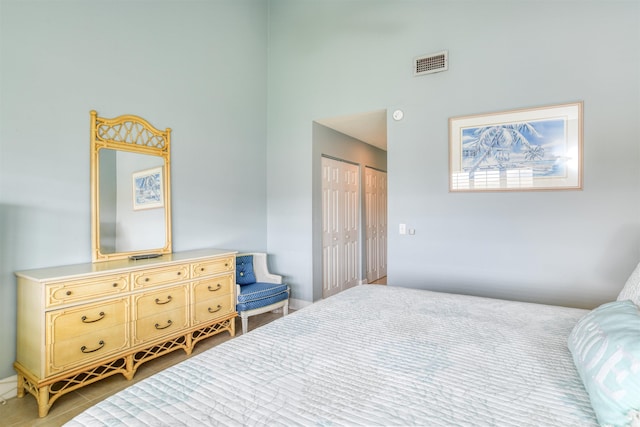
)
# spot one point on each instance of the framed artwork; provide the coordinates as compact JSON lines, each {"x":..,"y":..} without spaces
{"x":527,"y":149}
{"x":147,"y":189}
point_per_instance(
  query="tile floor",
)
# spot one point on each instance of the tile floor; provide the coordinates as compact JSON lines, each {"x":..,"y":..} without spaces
{"x":23,"y":412}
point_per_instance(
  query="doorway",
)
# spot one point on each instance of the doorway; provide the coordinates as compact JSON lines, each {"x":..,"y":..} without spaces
{"x":345,"y":139}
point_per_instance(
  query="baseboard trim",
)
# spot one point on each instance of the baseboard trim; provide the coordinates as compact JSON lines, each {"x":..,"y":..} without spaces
{"x":297,"y":304}
{"x":8,"y":388}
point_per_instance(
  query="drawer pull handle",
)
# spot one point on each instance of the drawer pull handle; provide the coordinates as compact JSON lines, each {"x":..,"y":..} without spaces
{"x":217,"y":288}
{"x":169,"y":322}
{"x":216,"y":310}
{"x":169,"y":298}
{"x":115,"y":285}
{"x":146,"y":279}
{"x":69,"y":293}
{"x":84,"y":348}
{"x":201,"y":268}
{"x":101,"y":314}
{"x":226,"y":264}
{"x":179,"y":273}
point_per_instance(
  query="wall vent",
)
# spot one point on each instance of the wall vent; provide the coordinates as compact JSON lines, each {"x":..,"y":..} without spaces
{"x":433,"y":63}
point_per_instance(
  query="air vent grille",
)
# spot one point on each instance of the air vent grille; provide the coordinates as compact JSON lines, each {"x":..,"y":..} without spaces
{"x":433,"y":63}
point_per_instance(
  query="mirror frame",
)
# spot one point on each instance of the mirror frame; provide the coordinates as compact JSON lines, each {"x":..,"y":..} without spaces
{"x":135,"y":135}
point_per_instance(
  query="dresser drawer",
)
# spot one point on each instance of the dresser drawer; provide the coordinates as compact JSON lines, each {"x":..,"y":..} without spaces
{"x":212,"y":298}
{"x":80,"y":290}
{"x":84,"y":335}
{"x":87,"y":319}
{"x":213,"y":287}
{"x":86,"y":349}
{"x":160,"y":276}
{"x":215,"y":266}
{"x":160,"y":313}
{"x":213,"y":308}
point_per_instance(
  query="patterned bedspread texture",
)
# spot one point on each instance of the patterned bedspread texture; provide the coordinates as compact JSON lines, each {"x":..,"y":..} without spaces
{"x":374,"y":355}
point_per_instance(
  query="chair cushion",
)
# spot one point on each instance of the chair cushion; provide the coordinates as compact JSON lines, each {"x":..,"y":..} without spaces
{"x":244,"y":306}
{"x":244,"y":270}
{"x":260,"y":290}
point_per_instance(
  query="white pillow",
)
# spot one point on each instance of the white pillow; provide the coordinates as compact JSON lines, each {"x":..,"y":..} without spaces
{"x":631,"y":289}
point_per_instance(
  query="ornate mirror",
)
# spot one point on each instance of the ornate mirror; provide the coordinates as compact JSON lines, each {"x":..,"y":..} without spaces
{"x":130,"y":188}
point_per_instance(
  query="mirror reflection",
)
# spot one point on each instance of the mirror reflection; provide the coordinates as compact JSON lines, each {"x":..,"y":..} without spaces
{"x":132,"y":214}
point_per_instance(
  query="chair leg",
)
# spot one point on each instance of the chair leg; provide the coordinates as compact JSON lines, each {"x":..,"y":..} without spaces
{"x":245,"y":323}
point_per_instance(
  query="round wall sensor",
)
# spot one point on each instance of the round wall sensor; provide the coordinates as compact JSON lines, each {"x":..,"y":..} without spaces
{"x":398,"y":115}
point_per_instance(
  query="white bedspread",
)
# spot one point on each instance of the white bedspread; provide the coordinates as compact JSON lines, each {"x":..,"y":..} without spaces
{"x":374,"y":355}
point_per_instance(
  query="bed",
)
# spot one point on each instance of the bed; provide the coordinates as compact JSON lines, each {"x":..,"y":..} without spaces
{"x":375,"y":355}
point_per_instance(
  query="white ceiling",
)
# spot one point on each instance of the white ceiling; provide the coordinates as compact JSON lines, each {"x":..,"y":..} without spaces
{"x":367,"y":127}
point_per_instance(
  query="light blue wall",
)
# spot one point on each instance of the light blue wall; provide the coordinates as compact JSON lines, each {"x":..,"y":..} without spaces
{"x":333,"y":57}
{"x":198,"y":67}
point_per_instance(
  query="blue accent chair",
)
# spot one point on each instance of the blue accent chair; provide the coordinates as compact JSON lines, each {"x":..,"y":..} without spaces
{"x":257,"y":290}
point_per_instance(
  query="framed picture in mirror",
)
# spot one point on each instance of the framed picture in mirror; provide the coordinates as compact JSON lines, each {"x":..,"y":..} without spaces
{"x":147,"y":189}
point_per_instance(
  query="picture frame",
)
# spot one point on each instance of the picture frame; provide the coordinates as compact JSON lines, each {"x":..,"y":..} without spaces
{"x":148,"y":191}
{"x":517,"y":150}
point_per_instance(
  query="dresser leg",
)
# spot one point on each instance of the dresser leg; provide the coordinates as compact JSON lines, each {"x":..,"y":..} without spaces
{"x":128,"y":374}
{"x":43,"y":401}
{"x":20,"y":390}
{"x":188,"y":343}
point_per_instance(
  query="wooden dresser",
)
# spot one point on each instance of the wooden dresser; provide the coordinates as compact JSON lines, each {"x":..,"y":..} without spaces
{"x":78,"y":324}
